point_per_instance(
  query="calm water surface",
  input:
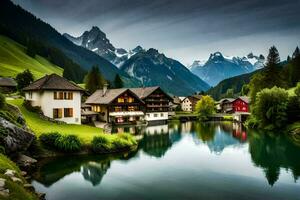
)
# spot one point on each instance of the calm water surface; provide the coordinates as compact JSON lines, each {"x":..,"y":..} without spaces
{"x":181,"y":161}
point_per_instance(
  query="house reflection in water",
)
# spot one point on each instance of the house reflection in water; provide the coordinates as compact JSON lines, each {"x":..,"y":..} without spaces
{"x":95,"y":171}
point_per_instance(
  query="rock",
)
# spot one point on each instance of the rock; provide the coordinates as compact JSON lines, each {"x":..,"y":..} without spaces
{"x":16,"y":180}
{"x":4,"y":193}
{"x":23,"y":173}
{"x":27,"y":178}
{"x":2,"y":183}
{"x":10,"y":173}
{"x":41,"y":196}
{"x":29,"y":187}
{"x":26,"y":162}
{"x":17,"y":139}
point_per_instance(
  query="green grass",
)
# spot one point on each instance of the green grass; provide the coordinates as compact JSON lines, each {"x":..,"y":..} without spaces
{"x":39,"y":125}
{"x":13,"y":60}
{"x":16,"y":190}
{"x":291,"y":91}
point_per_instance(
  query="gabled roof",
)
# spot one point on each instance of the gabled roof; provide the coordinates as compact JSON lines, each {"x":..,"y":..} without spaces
{"x":244,"y":98}
{"x":230,"y":100}
{"x":192,"y":99}
{"x":52,"y":82}
{"x":144,"y":92}
{"x":7,"y":82}
{"x":111,"y":94}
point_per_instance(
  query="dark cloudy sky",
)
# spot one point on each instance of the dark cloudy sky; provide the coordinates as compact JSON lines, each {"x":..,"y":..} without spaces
{"x":183,"y":29}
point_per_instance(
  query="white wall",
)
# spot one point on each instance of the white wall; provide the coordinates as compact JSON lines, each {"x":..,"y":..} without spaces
{"x":186,"y":105}
{"x":156,"y":116}
{"x":47,"y":103}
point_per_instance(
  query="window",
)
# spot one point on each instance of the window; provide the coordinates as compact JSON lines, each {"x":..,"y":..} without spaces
{"x":57,"y":113}
{"x":118,"y":108}
{"x":63,"y":95}
{"x":161,"y":114}
{"x":30,"y":95}
{"x":132,"y":108}
{"x":96,"y":108}
{"x":120,"y":100}
{"x":155,"y":115}
{"x":68,"y":112}
{"x":130,"y":100}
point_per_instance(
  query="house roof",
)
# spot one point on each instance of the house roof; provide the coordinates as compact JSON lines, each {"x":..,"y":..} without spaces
{"x":144,"y":92}
{"x":244,"y":98}
{"x":52,"y":82}
{"x":7,"y":82}
{"x":192,"y":99}
{"x":227,"y":99}
{"x":99,"y":98}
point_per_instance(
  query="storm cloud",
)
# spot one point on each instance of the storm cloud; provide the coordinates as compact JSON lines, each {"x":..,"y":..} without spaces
{"x":184,"y":29}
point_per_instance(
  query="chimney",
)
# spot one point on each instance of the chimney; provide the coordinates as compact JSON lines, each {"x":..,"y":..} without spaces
{"x":105,"y":86}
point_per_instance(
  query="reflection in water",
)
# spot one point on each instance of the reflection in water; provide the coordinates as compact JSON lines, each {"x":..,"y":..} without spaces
{"x":272,"y":153}
{"x":94,"y":172}
{"x":256,"y":150}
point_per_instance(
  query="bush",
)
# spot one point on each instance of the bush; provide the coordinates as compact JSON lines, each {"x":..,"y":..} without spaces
{"x":128,"y":137}
{"x":293,"y":109}
{"x":120,"y":143}
{"x":270,"y":108}
{"x":68,"y":143}
{"x":48,"y":139}
{"x":297,"y":90}
{"x":2,"y":101}
{"x":100,"y":144}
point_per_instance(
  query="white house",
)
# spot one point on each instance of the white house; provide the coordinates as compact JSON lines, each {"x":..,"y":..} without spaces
{"x":57,"y":97}
{"x":188,"y":104}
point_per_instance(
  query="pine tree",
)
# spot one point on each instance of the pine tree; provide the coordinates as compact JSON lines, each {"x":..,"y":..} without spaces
{"x":118,"y":83}
{"x":272,"y":77}
{"x":94,"y":80}
{"x":296,"y":53}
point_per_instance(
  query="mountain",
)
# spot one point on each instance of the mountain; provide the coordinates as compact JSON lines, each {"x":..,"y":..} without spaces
{"x":14,"y":60}
{"x":22,"y":27}
{"x":219,"y":67}
{"x":95,"y":40}
{"x":153,"y":68}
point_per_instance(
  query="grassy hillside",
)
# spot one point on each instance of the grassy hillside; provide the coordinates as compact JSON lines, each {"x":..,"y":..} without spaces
{"x":13,"y":60}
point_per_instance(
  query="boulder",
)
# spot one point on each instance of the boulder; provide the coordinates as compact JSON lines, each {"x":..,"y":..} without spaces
{"x":4,"y":193}
{"x":16,"y":139}
{"x":10,"y":173}
{"x":25,"y":162}
{"x":2,"y":183}
{"x":16,"y":179}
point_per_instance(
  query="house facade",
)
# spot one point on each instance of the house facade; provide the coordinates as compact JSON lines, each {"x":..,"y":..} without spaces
{"x":117,"y":106}
{"x":157,"y":103}
{"x":58,"y":98}
{"x":130,"y":105}
{"x":188,"y":104}
{"x":231,"y":105}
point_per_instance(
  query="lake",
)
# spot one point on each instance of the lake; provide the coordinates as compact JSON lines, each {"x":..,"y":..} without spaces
{"x":190,"y":160}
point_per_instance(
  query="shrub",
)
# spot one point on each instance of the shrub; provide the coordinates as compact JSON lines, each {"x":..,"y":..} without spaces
{"x":120,"y":143}
{"x":128,"y":137}
{"x":29,"y":107}
{"x":48,"y":139}
{"x":2,"y":101}
{"x":68,"y":143}
{"x":297,"y":90}
{"x":100,"y":144}
{"x":270,"y":108}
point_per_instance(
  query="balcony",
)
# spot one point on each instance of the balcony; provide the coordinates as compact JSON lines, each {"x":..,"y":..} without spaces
{"x":126,"y":113}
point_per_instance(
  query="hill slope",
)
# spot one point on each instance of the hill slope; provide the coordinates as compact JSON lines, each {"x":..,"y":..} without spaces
{"x":13,"y":60}
{"x":22,"y":26}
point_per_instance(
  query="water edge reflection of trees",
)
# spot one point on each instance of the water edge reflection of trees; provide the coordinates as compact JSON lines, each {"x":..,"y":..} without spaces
{"x":272,"y":152}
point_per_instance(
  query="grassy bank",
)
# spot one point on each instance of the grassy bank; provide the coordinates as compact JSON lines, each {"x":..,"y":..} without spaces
{"x":85,"y":133}
{"x":16,"y":190}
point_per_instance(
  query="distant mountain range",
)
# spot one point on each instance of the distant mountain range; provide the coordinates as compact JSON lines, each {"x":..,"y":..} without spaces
{"x":95,"y":40}
{"x":149,"y":67}
{"x":153,"y":68}
{"x":219,"y":67}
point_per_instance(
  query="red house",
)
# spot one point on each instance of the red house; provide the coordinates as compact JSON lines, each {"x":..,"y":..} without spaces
{"x":240,"y":104}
